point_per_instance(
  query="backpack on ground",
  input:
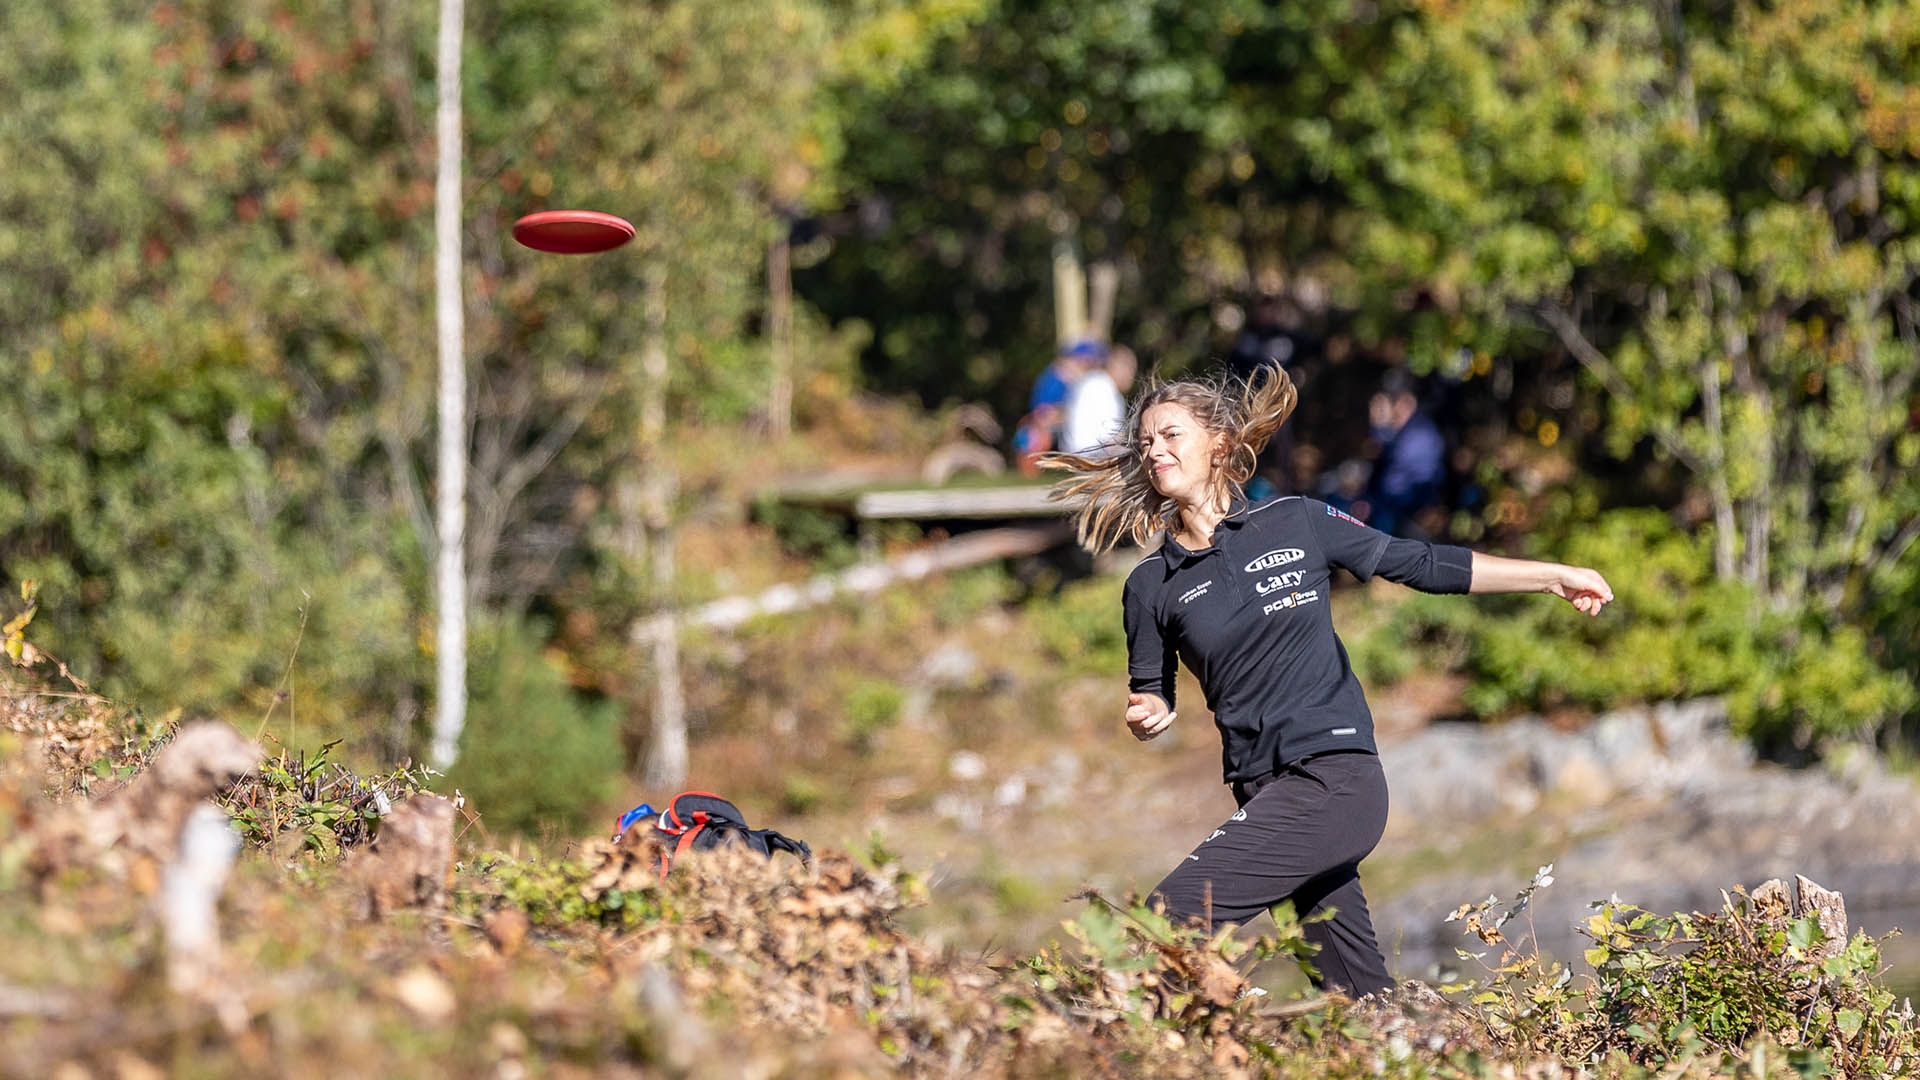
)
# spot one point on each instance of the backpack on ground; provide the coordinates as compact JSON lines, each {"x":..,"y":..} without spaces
{"x":701,"y":821}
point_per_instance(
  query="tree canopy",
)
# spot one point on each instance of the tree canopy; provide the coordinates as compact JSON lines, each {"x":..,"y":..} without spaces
{"x":214,"y":267}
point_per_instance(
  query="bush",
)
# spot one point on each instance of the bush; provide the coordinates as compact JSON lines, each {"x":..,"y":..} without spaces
{"x":871,"y":707}
{"x":533,"y":754}
{"x":1673,"y":632}
{"x":1081,"y":626}
{"x":1681,"y":988}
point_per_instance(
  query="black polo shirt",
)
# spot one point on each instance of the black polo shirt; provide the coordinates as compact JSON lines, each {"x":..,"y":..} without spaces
{"x":1249,"y":616}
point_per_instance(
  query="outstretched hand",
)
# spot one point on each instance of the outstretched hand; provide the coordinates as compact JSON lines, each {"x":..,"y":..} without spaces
{"x":1585,"y":589}
{"x":1148,"y":715}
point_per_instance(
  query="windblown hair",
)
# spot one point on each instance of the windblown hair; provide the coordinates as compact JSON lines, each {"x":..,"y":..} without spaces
{"x":1115,"y":492}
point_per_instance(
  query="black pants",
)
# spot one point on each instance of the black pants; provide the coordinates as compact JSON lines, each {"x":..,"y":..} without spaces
{"x":1299,"y":835}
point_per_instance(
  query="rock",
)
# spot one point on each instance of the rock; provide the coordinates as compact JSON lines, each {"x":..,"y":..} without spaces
{"x":190,"y":889}
{"x":1623,"y":740}
{"x":1459,"y":772}
{"x":1583,"y":782}
{"x":951,"y":667}
{"x":966,"y":765}
{"x":1672,"y":806}
{"x":506,"y":929}
{"x":409,"y":862}
{"x":954,"y":458}
{"x":147,"y":815}
{"x":1011,"y":792}
{"x":424,"y":994}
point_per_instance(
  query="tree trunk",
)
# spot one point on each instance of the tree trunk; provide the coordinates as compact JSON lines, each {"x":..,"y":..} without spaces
{"x":667,"y":756}
{"x":780,"y":333}
{"x":1069,"y":294}
{"x":1103,"y":285}
{"x":1751,"y":384}
{"x":1725,"y":532}
{"x":450,"y":701}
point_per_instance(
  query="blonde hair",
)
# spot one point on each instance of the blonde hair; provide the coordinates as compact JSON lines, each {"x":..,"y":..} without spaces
{"x":1116,"y":493}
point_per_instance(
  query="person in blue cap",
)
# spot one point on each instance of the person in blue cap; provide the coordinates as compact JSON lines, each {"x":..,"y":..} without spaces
{"x":1040,"y":429}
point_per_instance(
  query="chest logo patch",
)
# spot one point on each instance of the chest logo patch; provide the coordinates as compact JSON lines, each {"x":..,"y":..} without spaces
{"x":1289,"y":580}
{"x":1292,"y":600}
{"x":1275,"y":559}
{"x":1196,"y":592}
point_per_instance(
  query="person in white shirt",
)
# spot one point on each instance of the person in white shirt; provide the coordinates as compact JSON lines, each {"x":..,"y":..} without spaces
{"x":1096,"y":410}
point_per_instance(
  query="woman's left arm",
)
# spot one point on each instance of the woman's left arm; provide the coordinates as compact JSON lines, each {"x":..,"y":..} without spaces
{"x":1582,"y":587}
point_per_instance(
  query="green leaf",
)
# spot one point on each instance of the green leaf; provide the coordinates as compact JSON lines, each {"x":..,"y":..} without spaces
{"x":1849,"y":1021}
{"x":1805,"y":933}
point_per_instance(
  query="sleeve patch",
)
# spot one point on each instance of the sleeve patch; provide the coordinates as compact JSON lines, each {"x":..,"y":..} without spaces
{"x":1342,"y":515}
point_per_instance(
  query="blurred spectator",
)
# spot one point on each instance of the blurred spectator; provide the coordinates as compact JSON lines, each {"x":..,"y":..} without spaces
{"x":1410,"y":472}
{"x":1096,"y":409}
{"x":1271,"y":338}
{"x":1039,"y":430}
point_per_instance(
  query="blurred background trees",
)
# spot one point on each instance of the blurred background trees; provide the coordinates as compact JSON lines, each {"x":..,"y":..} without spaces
{"x":1670,"y":247}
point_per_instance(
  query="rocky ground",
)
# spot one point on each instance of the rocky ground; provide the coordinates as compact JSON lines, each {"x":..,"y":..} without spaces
{"x":1662,"y":806}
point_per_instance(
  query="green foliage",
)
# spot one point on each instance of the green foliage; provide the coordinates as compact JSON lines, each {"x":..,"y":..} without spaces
{"x":558,"y":893}
{"x":1723,"y":985}
{"x":1080,"y":626}
{"x":871,"y":707}
{"x":1124,"y":130}
{"x":1674,"y":631}
{"x":217,"y":327}
{"x":534,"y":756}
{"x":801,"y":792}
{"x":817,"y":535}
{"x":1132,"y":966}
{"x":966,"y":593}
{"x":310,"y":803}
{"x":1711,"y":209}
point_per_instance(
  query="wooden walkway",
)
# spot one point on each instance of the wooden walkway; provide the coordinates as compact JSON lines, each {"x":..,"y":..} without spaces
{"x":969,"y":502}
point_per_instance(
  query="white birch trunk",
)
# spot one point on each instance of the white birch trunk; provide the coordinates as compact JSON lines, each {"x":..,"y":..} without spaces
{"x":667,"y":757}
{"x":1069,"y":294}
{"x":780,"y":335}
{"x":450,"y":699}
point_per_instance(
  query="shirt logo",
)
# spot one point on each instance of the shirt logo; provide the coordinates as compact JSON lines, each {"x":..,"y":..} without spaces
{"x":1292,"y":600}
{"x":1342,"y":515}
{"x":1274,"y":559}
{"x":1289,"y":580}
{"x":1196,"y":592}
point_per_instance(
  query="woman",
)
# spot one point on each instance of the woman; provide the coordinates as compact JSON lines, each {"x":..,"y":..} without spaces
{"x":1239,"y":592}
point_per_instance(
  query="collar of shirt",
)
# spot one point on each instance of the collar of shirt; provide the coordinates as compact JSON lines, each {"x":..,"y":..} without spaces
{"x":1175,"y":553}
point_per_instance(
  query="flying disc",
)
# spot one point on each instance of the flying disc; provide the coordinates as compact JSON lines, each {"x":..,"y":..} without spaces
{"x":572,"y":232}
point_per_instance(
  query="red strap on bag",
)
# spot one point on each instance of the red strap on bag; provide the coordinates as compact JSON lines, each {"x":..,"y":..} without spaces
{"x":688,"y":832}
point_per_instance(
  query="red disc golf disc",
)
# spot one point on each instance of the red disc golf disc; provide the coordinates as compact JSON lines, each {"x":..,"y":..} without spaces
{"x":572,"y":232}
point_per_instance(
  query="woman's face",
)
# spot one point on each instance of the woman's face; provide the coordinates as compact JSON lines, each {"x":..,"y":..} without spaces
{"x":1177,"y":452}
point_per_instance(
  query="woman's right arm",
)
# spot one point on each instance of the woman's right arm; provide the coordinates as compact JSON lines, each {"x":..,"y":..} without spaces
{"x":1151,"y":665}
